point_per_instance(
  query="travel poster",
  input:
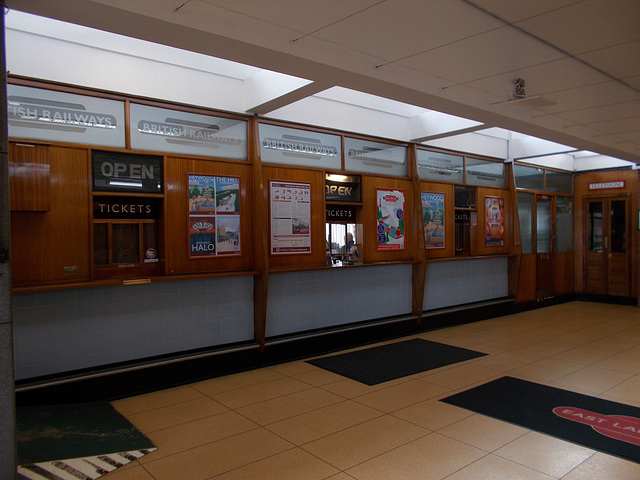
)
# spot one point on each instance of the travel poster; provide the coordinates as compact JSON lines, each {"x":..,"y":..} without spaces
{"x":390,"y":228}
{"x":214,"y":215}
{"x":290,"y":217}
{"x":494,"y":221}
{"x":433,"y":218}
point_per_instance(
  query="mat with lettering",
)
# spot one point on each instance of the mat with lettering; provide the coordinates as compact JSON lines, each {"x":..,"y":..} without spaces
{"x":601,"y":425}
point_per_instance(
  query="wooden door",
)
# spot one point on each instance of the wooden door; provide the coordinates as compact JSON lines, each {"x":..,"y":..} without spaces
{"x":607,"y":237}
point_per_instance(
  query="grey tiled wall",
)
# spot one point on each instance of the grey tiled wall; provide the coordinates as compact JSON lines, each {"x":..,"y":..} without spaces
{"x":66,"y":330}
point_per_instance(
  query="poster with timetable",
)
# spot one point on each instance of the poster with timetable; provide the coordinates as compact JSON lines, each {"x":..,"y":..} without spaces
{"x":390,"y":226}
{"x":214,"y":216}
{"x":290,"y":217}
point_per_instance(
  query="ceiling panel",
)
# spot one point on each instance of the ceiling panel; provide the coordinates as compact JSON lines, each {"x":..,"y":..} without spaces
{"x":516,"y":10}
{"x":604,"y":113}
{"x":303,"y":16}
{"x":621,"y":61}
{"x":588,"y":25}
{"x":552,"y":80}
{"x":399,"y":28}
{"x":486,"y":55}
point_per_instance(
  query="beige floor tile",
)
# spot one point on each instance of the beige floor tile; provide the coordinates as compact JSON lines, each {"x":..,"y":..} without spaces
{"x":260,"y":392}
{"x":239,"y":380}
{"x":362,"y":442}
{"x":319,"y":423}
{"x":287,"y":406}
{"x":201,"y":432}
{"x":547,"y":370}
{"x":546,"y":348}
{"x":584,"y":355}
{"x":591,"y":379}
{"x":544,"y":453}
{"x":430,"y":457}
{"x":293,"y":464}
{"x":136,"y":472}
{"x":604,"y":467}
{"x":462,"y":376}
{"x":151,"y":401}
{"x":318,"y":377}
{"x":348,"y":388}
{"x":483,"y":432}
{"x":400,"y":396}
{"x":432,"y":414}
{"x":291,"y":369}
{"x":620,"y":362}
{"x":507,"y":361}
{"x":185,"y":412}
{"x":497,"y":468}
{"x":627,"y":390}
{"x":218,"y":457}
{"x":181,"y":465}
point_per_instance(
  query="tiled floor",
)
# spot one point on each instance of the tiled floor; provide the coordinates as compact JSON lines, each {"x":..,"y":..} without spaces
{"x":296,"y":421}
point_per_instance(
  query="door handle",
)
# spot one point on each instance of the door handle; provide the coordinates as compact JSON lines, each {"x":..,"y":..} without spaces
{"x":606,"y":242}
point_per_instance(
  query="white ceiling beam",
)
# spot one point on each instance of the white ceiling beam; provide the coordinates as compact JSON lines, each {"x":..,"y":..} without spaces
{"x":267,"y":91}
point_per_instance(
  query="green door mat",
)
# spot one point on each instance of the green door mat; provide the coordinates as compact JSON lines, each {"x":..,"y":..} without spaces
{"x":57,"y":433}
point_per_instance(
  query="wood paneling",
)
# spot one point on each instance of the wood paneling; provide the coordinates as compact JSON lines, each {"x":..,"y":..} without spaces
{"x":44,"y":243}
{"x":318,"y":240}
{"x":177,"y":246}
{"x":370,"y":184}
{"x":449,"y":221}
{"x":527,"y":279}
{"x":565,"y":273}
{"x":29,"y":177}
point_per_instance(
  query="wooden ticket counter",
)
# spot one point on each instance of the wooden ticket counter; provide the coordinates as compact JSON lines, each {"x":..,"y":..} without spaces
{"x":266,"y":229}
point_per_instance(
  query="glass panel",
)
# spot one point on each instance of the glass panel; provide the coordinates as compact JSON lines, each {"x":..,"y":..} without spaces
{"x":595,"y":227}
{"x":525,"y":213}
{"x":564,"y":224}
{"x":543,"y":226}
{"x":440,"y":166}
{"x":100,"y":243}
{"x":465,"y":197}
{"x":484,"y":172}
{"x":373,"y":157}
{"x":559,"y":182}
{"x":618,"y":226}
{"x":531,"y":178}
{"x":125,"y":238}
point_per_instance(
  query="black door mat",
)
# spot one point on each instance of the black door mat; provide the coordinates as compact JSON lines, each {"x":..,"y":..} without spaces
{"x":55,"y":432}
{"x":601,"y":425}
{"x":381,"y":364}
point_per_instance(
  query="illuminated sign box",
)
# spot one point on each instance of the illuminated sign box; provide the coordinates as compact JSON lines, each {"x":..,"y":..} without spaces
{"x":123,"y":172}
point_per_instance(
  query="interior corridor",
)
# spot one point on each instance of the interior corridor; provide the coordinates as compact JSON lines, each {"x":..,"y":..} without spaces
{"x":297,"y":421}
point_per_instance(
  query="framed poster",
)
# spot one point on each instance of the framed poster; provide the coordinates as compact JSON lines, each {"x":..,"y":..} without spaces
{"x":433,"y":218}
{"x":494,"y":221}
{"x":390,"y":227}
{"x":214,"y":216}
{"x":290,"y":217}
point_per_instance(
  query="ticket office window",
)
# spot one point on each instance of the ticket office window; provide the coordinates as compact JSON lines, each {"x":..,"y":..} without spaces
{"x":126,"y":236}
{"x":343,"y":247}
